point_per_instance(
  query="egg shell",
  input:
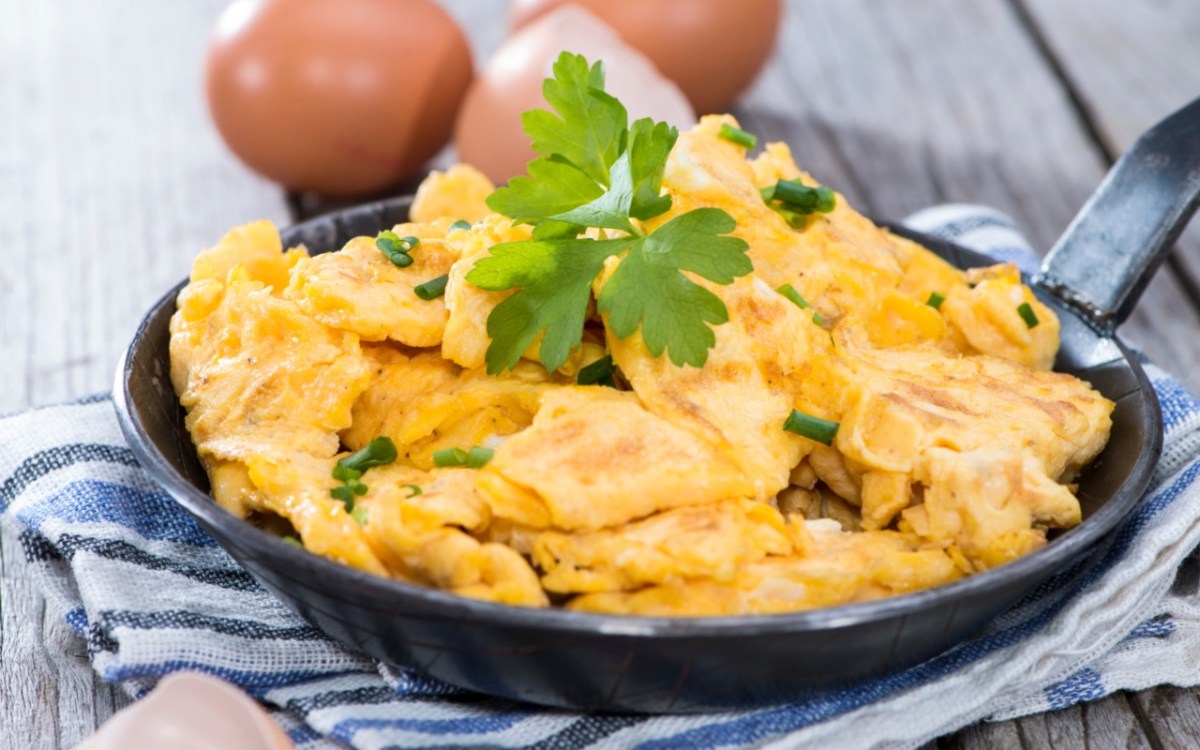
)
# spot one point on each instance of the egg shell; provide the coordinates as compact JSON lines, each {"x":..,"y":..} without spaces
{"x":712,"y":48}
{"x":489,"y":134}
{"x":340,"y":98}
{"x":190,"y":711}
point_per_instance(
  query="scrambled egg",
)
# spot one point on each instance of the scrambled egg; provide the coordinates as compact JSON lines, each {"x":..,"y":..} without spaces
{"x":677,"y":492}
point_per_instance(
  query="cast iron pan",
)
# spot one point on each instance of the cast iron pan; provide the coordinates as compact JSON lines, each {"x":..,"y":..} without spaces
{"x":1092,"y":279}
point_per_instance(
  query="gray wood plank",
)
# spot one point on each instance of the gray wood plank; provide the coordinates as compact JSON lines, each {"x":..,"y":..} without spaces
{"x":1174,"y":715}
{"x":1128,"y":65}
{"x":111,"y":178}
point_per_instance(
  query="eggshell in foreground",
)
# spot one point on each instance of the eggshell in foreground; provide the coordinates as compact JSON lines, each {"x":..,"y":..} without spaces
{"x":190,"y":711}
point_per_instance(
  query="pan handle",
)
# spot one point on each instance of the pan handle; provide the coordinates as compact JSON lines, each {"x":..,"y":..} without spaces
{"x":1120,"y":237}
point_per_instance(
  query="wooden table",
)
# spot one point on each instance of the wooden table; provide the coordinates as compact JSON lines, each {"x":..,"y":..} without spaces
{"x":111,"y":178}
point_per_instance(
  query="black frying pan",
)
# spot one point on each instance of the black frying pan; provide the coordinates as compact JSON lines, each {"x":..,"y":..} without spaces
{"x":1092,"y":279}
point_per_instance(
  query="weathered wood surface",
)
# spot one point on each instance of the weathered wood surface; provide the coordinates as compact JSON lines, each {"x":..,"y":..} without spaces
{"x":111,"y":177}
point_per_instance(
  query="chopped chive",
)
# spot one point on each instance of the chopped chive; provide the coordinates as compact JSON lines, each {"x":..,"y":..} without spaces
{"x":378,"y":452}
{"x":289,"y":539}
{"x":460,"y":224}
{"x":450,"y":457}
{"x":345,"y":493}
{"x":598,"y":372}
{"x":935,"y":300}
{"x":738,"y":136}
{"x":350,"y":469}
{"x":359,"y":515}
{"x":396,"y":249}
{"x":818,"y":318}
{"x":478,"y":457}
{"x":794,"y":220}
{"x":416,"y":489}
{"x":814,"y":428}
{"x":433,"y":288}
{"x":787,"y":290}
{"x":799,"y":198}
{"x":1028,"y":315}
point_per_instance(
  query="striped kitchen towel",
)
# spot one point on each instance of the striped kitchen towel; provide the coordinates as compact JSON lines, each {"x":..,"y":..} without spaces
{"x":151,"y":593}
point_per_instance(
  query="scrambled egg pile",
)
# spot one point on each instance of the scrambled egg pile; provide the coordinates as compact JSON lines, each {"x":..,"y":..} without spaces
{"x":678,"y":492}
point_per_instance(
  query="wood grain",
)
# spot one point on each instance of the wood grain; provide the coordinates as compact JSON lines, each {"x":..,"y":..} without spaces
{"x":1127,"y":65}
{"x":111,"y":178}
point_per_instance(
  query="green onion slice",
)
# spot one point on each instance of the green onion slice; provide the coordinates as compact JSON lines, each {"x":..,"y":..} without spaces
{"x":345,"y":493}
{"x":460,"y":224}
{"x":293,"y":541}
{"x":378,"y":452}
{"x":738,"y":136}
{"x":478,"y":457}
{"x":935,"y":300}
{"x":416,"y":489}
{"x":1028,"y":315}
{"x":359,"y":515}
{"x":818,"y":318}
{"x":600,"y":371}
{"x":433,"y":288}
{"x":450,"y":457}
{"x":813,"y":428}
{"x":797,"y":197}
{"x":787,"y":290}
{"x":395,"y":248}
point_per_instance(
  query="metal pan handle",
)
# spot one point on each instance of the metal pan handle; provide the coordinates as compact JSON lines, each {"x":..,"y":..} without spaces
{"x":1120,"y":237}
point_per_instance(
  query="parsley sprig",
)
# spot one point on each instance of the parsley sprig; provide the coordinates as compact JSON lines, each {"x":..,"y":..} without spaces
{"x":595,"y":170}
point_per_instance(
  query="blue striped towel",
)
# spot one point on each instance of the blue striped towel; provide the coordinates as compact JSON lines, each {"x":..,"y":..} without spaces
{"x":151,"y":593}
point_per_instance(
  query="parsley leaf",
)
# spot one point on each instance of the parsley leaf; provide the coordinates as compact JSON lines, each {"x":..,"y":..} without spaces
{"x":649,"y":144}
{"x":552,"y":187}
{"x":590,"y":129}
{"x":554,"y":284}
{"x":674,"y":312}
{"x":596,"y":171}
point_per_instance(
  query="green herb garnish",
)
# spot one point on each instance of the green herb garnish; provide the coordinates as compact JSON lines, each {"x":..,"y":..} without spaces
{"x":798,"y":198}
{"x":476,"y":458}
{"x":814,"y":428}
{"x":599,"y":372}
{"x":1028,"y":315}
{"x":350,"y":469}
{"x":738,"y":136}
{"x":395,"y":248}
{"x":935,"y":300}
{"x":293,"y":541}
{"x":450,"y":457}
{"x":597,"y":171}
{"x":416,"y":489}
{"x":359,"y":514}
{"x":460,"y":224}
{"x":433,"y":288}
{"x":787,"y":290}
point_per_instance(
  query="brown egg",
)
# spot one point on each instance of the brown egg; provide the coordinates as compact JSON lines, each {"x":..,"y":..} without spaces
{"x":712,"y":48}
{"x":489,"y":134}
{"x":336,"y":97}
